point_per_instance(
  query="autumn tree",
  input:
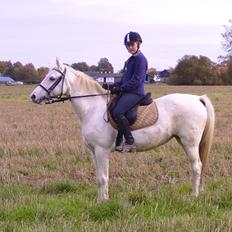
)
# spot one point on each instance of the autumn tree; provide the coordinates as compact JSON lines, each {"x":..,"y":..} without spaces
{"x":26,"y":73}
{"x":227,"y":59}
{"x":193,"y":70}
{"x":18,"y":74}
{"x":227,"y":76}
{"x":31,"y":73}
{"x":42,"y":72}
{"x":6,"y":68}
{"x":227,"y":43}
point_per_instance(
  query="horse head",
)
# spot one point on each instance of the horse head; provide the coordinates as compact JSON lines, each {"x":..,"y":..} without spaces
{"x":53,"y":86}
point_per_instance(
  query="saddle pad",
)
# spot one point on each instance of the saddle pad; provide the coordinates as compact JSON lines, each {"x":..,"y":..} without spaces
{"x":146,"y":116}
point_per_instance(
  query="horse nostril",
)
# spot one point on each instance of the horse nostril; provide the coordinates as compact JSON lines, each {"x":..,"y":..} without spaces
{"x":33,"y":97}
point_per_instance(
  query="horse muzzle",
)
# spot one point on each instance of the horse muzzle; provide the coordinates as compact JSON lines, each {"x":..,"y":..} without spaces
{"x":37,"y":100}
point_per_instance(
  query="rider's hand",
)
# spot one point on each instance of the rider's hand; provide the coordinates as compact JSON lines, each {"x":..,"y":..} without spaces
{"x":116,"y":90}
{"x":105,"y":86}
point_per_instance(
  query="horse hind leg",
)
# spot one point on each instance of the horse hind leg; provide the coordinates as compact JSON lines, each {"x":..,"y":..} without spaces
{"x":192,"y":152}
{"x":196,"y":165}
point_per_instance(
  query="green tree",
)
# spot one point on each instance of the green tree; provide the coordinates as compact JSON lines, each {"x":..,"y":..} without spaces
{"x":81,"y":66}
{"x":93,"y":68}
{"x":29,"y":74}
{"x":227,"y":76}
{"x":193,"y":70}
{"x":105,"y":66}
{"x":230,"y":70}
{"x":6,"y":68}
{"x":18,"y":67}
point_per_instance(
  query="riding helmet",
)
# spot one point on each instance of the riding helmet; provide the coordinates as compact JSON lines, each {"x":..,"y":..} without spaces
{"x":132,"y":37}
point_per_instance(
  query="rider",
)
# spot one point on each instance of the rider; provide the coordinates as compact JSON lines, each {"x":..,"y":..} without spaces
{"x":129,"y":90}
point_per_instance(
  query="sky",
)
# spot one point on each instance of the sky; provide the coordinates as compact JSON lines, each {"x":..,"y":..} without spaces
{"x":84,"y":31}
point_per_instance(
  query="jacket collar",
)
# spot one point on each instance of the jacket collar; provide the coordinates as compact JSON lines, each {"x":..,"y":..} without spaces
{"x":137,"y":53}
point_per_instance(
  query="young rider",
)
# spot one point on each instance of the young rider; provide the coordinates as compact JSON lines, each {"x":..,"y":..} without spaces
{"x":129,"y":90}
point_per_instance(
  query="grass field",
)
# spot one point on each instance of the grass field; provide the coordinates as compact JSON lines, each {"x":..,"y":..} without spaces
{"x":47,"y":180}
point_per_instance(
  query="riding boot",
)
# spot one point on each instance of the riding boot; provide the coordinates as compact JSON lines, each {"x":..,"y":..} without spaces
{"x":124,"y":126}
{"x":119,"y":141}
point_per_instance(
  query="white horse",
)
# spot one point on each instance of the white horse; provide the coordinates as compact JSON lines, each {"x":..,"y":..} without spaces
{"x":188,"y":118}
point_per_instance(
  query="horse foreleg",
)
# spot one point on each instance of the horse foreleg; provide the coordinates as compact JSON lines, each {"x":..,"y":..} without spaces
{"x":101,"y":162}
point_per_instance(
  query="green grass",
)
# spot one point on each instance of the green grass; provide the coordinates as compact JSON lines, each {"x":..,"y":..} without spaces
{"x":20,"y":95}
{"x":65,"y":206}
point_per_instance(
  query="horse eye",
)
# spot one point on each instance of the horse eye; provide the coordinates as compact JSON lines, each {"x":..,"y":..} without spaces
{"x":52,"y":78}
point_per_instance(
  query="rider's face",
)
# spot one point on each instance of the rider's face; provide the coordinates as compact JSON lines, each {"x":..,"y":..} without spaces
{"x":132,"y":47}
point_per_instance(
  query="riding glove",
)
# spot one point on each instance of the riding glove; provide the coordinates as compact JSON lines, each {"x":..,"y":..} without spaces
{"x":116,"y":90}
{"x":106,"y":86}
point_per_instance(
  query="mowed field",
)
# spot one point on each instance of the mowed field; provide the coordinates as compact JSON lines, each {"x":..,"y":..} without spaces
{"x":47,"y":180}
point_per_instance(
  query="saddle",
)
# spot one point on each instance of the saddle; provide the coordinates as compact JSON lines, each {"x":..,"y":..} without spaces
{"x":144,"y":114}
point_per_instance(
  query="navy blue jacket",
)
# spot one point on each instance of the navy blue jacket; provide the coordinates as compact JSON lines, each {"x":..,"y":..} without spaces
{"x":135,"y":73}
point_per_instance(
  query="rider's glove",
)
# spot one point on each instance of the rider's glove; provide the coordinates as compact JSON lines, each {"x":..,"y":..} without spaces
{"x":116,"y":90}
{"x":105,"y":86}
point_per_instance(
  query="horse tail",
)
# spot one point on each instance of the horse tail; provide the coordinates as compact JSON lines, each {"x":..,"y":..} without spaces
{"x":207,"y":136}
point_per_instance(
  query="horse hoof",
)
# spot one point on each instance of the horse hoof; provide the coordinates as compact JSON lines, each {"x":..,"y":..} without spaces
{"x":195,"y":194}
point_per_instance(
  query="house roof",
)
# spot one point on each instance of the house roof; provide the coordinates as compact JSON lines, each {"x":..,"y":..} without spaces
{"x":6,"y":79}
{"x":164,"y":73}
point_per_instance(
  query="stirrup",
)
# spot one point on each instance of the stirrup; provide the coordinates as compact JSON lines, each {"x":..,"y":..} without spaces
{"x":128,"y":148}
{"x":119,"y":147}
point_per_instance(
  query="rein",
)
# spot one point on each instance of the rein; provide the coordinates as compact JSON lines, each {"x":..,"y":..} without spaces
{"x":63,"y":99}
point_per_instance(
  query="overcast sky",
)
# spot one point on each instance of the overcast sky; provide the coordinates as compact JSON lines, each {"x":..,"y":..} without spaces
{"x":76,"y":30}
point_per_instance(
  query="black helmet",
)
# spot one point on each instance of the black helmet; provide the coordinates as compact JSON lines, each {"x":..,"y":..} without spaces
{"x":132,"y":37}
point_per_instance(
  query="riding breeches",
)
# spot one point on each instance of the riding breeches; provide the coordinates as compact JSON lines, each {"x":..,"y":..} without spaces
{"x":124,"y":106}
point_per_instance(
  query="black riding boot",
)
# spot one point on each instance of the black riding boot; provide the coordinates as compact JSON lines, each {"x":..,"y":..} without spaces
{"x":119,"y":141}
{"x":124,"y":126}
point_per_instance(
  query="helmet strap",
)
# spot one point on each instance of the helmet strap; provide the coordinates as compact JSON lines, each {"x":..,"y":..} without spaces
{"x":138,"y":46}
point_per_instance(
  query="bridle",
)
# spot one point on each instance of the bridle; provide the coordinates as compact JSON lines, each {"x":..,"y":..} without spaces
{"x":52,"y":99}
{"x":53,"y":86}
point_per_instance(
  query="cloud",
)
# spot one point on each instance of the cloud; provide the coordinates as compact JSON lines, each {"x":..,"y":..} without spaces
{"x":152,"y":12}
{"x":75,"y":30}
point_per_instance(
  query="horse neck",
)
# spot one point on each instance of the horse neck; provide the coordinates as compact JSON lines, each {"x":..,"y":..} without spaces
{"x":87,"y":107}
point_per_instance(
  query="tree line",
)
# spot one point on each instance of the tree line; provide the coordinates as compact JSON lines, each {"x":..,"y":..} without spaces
{"x":190,"y":69}
{"x":29,"y":74}
{"x":200,"y":70}
{"x":193,"y":70}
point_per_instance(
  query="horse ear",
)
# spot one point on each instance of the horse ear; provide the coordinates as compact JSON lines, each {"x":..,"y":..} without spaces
{"x":59,"y":64}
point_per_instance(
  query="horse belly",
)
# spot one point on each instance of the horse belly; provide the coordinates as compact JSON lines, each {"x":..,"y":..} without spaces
{"x":151,"y":137}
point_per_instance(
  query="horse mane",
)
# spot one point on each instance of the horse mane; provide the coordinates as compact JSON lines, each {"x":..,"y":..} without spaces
{"x":86,"y":82}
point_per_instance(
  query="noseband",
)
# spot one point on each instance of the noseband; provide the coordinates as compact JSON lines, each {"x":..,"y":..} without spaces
{"x":53,"y":86}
